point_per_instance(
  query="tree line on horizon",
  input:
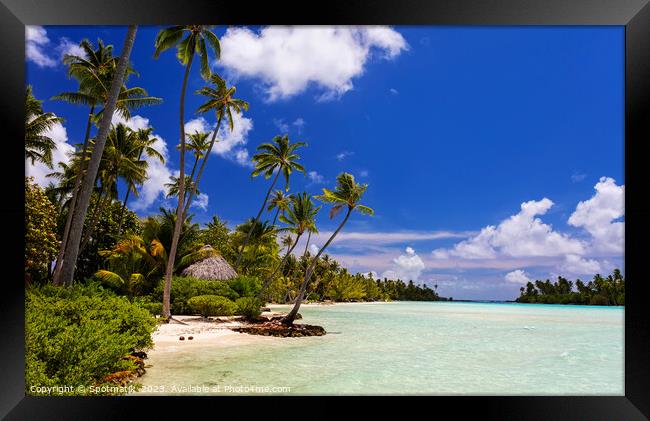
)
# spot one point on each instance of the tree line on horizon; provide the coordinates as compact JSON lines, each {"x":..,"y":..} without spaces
{"x":609,"y":291}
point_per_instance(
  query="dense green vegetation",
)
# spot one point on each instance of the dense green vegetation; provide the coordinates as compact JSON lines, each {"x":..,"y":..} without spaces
{"x":77,"y":336}
{"x":600,"y":291}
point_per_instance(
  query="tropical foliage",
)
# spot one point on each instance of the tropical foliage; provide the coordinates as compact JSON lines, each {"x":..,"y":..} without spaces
{"x":41,"y":242}
{"x":600,"y":291}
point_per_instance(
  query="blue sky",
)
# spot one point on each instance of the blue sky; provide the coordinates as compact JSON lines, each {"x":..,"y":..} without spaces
{"x":453,"y":129}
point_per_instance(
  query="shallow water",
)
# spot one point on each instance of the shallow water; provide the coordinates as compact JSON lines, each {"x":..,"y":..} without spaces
{"x":416,"y":348}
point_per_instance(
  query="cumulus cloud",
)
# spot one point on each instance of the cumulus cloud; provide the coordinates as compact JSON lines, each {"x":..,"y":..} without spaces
{"x":229,"y":144}
{"x":517,"y":277}
{"x":61,"y":153}
{"x":158,"y":173}
{"x":36,"y":44}
{"x":40,"y":50}
{"x":201,"y":201}
{"x":518,"y":236}
{"x":598,"y":216}
{"x":313,"y":249}
{"x":407,"y":266}
{"x":315,"y":178}
{"x":577,"y":265}
{"x":344,"y":154}
{"x":289,"y":59}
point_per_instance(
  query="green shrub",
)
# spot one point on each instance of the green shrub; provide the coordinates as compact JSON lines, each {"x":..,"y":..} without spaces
{"x":41,"y":244}
{"x":598,"y":300}
{"x":76,"y":336}
{"x":155,"y":308}
{"x":212,"y":305}
{"x":249,"y":307}
{"x":184,"y":288}
{"x":246,"y":286}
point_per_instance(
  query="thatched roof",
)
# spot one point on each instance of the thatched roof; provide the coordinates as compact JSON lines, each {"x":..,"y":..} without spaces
{"x":213,"y":267}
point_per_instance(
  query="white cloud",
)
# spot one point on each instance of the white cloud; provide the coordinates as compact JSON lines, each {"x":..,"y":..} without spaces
{"x":517,"y":277}
{"x":157,"y":173}
{"x":393,"y":91}
{"x":356,"y":238}
{"x":39,"y":48}
{"x":201,"y":201}
{"x":577,"y":265}
{"x":521,"y":235}
{"x":289,"y":59}
{"x":344,"y":154}
{"x":299,"y":123}
{"x":407,"y":267}
{"x":314,"y":177}
{"x":597,"y":214}
{"x":36,"y":41}
{"x":229,"y":144}
{"x":281,"y":125}
{"x":363,"y":173}
{"x":313,"y":249}
{"x":61,"y":153}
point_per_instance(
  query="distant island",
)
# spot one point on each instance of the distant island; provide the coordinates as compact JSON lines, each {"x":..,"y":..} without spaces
{"x":600,"y":291}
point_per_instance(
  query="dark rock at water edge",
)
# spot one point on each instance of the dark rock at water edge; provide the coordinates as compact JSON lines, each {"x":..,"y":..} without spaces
{"x":275,"y":328}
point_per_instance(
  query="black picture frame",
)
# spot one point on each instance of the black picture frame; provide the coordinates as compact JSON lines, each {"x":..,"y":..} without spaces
{"x":633,"y":14}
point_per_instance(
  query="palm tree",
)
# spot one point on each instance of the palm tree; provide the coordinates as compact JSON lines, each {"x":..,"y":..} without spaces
{"x":121,"y":159}
{"x":76,"y":226}
{"x":220,"y":99}
{"x":300,"y":216}
{"x":197,"y":143}
{"x":94,"y":73}
{"x":346,"y":194}
{"x":145,"y":144}
{"x":279,"y":156}
{"x":259,"y":250}
{"x":195,"y":42}
{"x":174,"y":187}
{"x":38,"y":146}
{"x":279,"y":201}
{"x":287,"y":241}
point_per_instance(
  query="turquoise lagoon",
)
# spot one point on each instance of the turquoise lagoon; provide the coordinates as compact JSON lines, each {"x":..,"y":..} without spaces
{"x":417,"y":348}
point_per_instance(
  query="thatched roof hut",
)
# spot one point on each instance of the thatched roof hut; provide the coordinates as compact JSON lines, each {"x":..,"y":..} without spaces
{"x":213,"y":267}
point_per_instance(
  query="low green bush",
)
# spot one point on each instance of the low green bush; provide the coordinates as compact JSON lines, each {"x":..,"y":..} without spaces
{"x":246,"y":286}
{"x":153,"y":307}
{"x":76,"y":336}
{"x":212,"y":305}
{"x":184,"y":288}
{"x":249,"y":307}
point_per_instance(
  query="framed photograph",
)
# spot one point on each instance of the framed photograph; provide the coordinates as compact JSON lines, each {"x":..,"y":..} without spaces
{"x":432,"y":200}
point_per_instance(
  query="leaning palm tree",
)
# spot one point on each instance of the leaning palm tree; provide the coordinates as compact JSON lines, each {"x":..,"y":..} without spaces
{"x":300,"y":216}
{"x":94,"y":71}
{"x":76,"y":226}
{"x":195,"y":43}
{"x":173,"y":187}
{"x":347,"y":194}
{"x":38,"y":145}
{"x":197,"y":143}
{"x":221,"y":100}
{"x":279,"y":157}
{"x":279,"y":201}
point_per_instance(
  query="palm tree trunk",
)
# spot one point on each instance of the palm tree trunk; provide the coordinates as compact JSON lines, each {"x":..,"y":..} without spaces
{"x":268,"y":280}
{"x":257,"y":218}
{"x":275,"y":218}
{"x":169,"y":269}
{"x":101,"y":202}
{"x":307,"y":245}
{"x":198,"y":176}
{"x":76,"y":227}
{"x":289,"y":318}
{"x":73,"y":201}
{"x":126,"y":198}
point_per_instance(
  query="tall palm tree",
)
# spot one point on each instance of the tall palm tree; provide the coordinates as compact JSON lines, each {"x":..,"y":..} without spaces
{"x":94,"y":72}
{"x":300,"y":216}
{"x":121,"y":159}
{"x":76,"y":226}
{"x":279,"y":157}
{"x":38,"y":146}
{"x":198,"y":36}
{"x":221,"y":100}
{"x":279,"y":201}
{"x":197,"y":143}
{"x":145,"y":144}
{"x":346,"y":194}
